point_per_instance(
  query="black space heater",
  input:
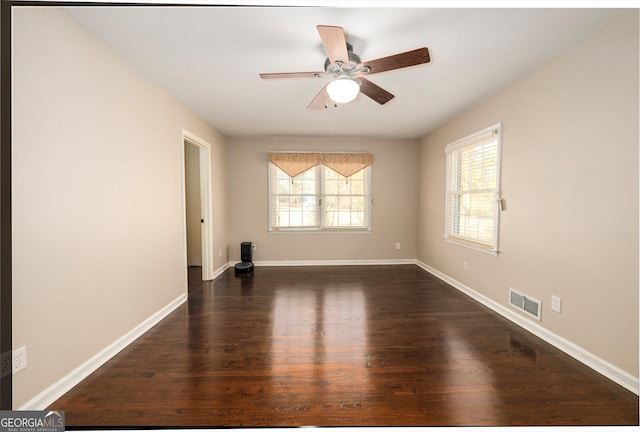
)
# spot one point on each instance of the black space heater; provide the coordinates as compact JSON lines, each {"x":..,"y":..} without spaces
{"x":246,"y":265}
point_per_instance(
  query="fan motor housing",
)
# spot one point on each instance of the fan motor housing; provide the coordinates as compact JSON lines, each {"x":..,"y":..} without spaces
{"x":354,"y":61}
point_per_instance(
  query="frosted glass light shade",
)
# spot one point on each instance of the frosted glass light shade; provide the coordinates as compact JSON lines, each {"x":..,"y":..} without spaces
{"x":343,"y":90}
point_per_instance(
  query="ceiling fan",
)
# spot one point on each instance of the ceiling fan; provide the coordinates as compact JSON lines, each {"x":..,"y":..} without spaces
{"x":348,"y":72}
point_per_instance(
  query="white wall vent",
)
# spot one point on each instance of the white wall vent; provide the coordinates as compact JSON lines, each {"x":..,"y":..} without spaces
{"x":525,"y":303}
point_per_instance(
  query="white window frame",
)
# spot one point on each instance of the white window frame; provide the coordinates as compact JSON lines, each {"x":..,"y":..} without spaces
{"x":320,"y":200}
{"x":492,"y":132}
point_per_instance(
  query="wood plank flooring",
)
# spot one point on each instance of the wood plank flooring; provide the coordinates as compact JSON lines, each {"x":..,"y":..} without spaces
{"x":340,"y":346}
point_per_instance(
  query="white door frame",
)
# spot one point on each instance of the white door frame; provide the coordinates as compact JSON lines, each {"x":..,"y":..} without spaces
{"x":205,"y":201}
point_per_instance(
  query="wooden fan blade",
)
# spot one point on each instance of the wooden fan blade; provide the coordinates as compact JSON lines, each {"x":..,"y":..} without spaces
{"x":320,"y":101}
{"x":398,"y":61}
{"x":291,"y":75}
{"x":374,"y":91}
{"x":334,"y":43}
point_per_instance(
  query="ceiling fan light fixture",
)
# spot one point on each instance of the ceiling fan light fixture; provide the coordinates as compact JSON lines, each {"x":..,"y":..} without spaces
{"x":343,"y":90}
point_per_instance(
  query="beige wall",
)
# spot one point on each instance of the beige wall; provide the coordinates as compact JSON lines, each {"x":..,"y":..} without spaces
{"x":98,"y":213}
{"x":570,"y":180}
{"x":394,"y":215}
{"x":193,"y":198}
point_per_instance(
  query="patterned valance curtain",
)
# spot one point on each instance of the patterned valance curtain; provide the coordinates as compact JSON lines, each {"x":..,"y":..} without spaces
{"x":294,"y":163}
{"x":345,"y":164}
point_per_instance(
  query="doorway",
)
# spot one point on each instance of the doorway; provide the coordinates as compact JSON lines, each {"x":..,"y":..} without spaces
{"x":197,"y":203}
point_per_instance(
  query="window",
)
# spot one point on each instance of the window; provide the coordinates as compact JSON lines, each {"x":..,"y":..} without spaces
{"x":318,"y":199}
{"x":294,"y":201}
{"x":345,"y":201}
{"x":473,"y":194}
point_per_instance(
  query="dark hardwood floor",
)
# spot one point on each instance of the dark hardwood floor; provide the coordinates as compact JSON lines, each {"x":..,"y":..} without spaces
{"x":340,"y":346}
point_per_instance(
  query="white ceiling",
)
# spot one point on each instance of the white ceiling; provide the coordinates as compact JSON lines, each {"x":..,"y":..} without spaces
{"x":210,"y":57}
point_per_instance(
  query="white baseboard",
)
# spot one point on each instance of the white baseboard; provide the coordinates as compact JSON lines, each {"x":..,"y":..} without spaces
{"x":219,"y":271}
{"x":601,"y":366}
{"x":56,"y":390}
{"x":293,"y":263}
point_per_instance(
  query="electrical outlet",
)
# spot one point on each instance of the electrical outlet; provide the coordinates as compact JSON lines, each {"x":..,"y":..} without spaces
{"x":398,"y":246}
{"x":219,"y":252}
{"x":253,"y":247}
{"x":19,"y":359}
{"x":556,"y":303}
{"x":467,"y":265}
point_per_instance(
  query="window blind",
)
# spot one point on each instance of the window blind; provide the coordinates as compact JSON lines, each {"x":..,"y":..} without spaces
{"x":472,"y":206}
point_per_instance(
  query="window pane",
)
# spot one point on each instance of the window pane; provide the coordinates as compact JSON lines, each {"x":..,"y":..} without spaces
{"x":284,"y":186}
{"x":344,"y":208}
{"x":345,"y":211}
{"x":282,"y":211}
{"x":309,"y":211}
{"x":475,"y":216}
{"x":357,"y":210}
{"x":294,"y":200}
{"x":331,"y":186}
{"x":330,"y":210}
{"x":357,"y":186}
{"x":477,"y":166}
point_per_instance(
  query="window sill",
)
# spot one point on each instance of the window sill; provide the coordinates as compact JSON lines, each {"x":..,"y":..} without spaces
{"x":493,"y":252}
{"x":321,"y":231}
